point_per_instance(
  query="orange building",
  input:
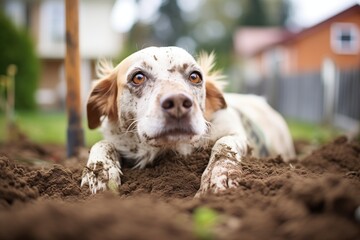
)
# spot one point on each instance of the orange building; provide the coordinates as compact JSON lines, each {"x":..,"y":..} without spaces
{"x":336,"y":38}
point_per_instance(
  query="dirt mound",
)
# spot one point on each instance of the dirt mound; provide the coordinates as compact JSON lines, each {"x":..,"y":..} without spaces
{"x":101,"y":217}
{"x":314,"y":198}
{"x":170,"y":176}
{"x":12,"y":185}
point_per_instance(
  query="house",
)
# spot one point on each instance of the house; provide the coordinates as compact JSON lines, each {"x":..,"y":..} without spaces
{"x":335,"y":39}
{"x":311,"y":75}
{"x":46,"y":21}
{"x":248,"y":43}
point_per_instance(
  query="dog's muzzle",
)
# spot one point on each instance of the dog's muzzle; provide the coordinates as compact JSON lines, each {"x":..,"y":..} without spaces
{"x":177,"y":108}
{"x":176,"y":105}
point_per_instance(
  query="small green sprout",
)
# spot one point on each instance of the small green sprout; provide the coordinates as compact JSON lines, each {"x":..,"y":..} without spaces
{"x":205,"y":220}
{"x":113,"y":186}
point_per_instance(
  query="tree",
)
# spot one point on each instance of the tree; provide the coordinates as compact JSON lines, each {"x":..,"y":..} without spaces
{"x":212,"y":31}
{"x":264,"y":13}
{"x":254,"y":14}
{"x":16,"y":47}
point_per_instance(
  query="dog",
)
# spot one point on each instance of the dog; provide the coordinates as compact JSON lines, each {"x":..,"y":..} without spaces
{"x":161,"y":99}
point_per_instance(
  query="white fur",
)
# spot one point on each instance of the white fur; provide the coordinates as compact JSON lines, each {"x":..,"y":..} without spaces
{"x":105,"y":153}
{"x":144,"y":137}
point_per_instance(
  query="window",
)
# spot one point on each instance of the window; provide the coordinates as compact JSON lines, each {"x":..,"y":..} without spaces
{"x":345,"y":38}
{"x":53,"y":21}
{"x":58,"y":22}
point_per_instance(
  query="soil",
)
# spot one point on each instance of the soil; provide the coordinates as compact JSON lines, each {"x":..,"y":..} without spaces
{"x":315,"y":197}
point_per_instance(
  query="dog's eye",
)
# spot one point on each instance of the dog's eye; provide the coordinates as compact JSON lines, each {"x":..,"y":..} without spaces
{"x":195,"y":78}
{"x":138,"y":78}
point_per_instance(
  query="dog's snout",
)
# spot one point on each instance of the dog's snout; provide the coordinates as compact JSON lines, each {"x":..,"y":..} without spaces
{"x":176,"y":105}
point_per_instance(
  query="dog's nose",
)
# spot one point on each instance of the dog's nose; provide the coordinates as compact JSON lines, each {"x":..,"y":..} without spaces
{"x":176,"y":105}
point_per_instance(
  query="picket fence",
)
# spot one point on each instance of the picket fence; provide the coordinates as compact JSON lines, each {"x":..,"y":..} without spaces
{"x":307,"y":97}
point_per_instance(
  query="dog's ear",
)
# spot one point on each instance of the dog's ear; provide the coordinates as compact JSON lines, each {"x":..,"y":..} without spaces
{"x":214,"y":95}
{"x":102,"y":101}
{"x":214,"y":99}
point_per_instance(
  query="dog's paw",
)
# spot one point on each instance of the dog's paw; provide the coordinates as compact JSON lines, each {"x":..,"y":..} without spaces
{"x":223,"y":175}
{"x":99,"y":178}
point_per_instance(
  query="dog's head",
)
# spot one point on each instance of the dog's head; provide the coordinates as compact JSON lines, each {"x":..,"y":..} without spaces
{"x":162,"y":94}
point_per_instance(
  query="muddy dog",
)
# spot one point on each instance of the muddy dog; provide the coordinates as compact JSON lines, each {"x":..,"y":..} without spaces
{"x":162,"y":99}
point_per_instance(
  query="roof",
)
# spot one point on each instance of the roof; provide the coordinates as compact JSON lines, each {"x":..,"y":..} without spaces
{"x":284,"y":38}
{"x":249,"y":40}
{"x":308,"y":31}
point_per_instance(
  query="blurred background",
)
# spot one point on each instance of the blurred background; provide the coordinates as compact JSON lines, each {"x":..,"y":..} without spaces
{"x":303,"y":56}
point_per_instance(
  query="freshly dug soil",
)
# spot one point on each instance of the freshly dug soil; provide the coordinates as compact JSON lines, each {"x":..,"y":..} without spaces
{"x":317,"y":197}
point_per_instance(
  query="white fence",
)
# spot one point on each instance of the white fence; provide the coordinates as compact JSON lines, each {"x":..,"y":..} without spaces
{"x":306,"y":97}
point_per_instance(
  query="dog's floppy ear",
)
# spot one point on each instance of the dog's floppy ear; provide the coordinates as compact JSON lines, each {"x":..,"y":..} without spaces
{"x":214,"y":99}
{"x":103,"y":97}
{"x":214,"y":96}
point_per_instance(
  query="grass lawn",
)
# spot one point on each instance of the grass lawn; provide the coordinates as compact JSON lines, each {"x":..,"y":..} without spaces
{"x":312,"y":133}
{"x":50,"y":127}
{"x":47,"y":127}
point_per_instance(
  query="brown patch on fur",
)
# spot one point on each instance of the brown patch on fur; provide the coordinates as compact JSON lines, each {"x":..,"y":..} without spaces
{"x":136,"y":91}
{"x":214,"y":100}
{"x":173,"y":69}
{"x":182,"y":69}
{"x":146,"y":66}
{"x":102,"y":101}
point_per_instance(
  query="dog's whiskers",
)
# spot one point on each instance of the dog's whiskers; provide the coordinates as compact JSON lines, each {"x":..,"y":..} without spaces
{"x":129,"y":129}
{"x":134,"y":122}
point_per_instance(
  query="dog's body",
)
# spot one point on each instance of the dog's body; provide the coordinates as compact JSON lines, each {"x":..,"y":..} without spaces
{"x":161,"y":99}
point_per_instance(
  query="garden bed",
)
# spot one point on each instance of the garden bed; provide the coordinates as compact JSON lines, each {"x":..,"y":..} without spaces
{"x":317,"y":197}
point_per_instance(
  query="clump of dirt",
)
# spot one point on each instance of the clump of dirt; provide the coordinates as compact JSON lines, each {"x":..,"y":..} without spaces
{"x":171,"y":176}
{"x":101,"y":217}
{"x":12,"y":185}
{"x":338,"y":156}
{"x":56,"y":182}
{"x":21,"y":182}
{"x":317,"y":197}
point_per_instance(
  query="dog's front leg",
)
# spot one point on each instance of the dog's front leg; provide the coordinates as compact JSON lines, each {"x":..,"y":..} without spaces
{"x":102,"y":168}
{"x":224,"y":168}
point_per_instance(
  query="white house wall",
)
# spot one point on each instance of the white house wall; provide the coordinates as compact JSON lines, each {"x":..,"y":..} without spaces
{"x":97,"y":38}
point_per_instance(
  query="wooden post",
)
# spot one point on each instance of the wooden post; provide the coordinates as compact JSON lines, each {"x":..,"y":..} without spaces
{"x":75,"y":134}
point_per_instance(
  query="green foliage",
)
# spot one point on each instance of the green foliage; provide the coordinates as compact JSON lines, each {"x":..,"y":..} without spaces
{"x":46,"y":127}
{"x":205,"y":220}
{"x":212,"y":31}
{"x":264,"y":13}
{"x":254,"y":14}
{"x":312,"y":133}
{"x":178,"y":26}
{"x":17,"y":48}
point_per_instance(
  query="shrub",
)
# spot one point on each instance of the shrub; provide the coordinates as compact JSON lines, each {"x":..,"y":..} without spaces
{"x":16,"y":47}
